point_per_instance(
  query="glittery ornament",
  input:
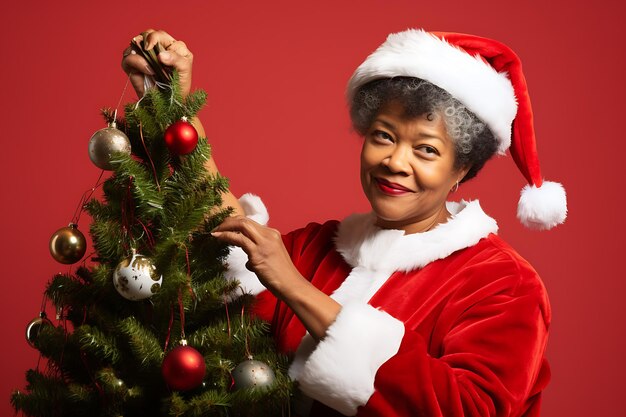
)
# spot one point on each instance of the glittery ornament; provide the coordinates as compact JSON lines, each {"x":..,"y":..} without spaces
{"x":68,"y":245}
{"x":181,"y":137}
{"x":104,"y":143}
{"x":253,"y":374}
{"x":183,"y":368}
{"x":35,"y":326}
{"x":136,"y":278}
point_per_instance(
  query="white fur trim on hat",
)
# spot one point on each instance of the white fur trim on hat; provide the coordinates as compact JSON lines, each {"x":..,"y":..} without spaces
{"x":542,"y":207}
{"x":340,"y":370}
{"x":416,"y":53}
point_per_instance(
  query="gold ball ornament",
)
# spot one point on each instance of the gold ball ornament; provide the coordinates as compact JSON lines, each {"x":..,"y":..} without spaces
{"x":136,"y":278}
{"x":34,"y":328}
{"x":104,"y":143}
{"x":253,"y":374}
{"x":68,"y":245}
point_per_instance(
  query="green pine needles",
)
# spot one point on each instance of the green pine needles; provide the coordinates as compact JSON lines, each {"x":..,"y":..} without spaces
{"x":106,"y":359}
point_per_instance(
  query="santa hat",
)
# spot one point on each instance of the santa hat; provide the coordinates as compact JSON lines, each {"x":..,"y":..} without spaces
{"x":486,"y":76}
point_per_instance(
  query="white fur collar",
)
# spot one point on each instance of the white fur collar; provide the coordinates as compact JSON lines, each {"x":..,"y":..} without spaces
{"x":362,"y":243}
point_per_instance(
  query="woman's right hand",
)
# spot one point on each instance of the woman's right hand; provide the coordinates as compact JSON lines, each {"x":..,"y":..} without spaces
{"x":174,"y":54}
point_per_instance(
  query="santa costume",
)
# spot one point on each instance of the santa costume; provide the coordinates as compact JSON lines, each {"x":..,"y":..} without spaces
{"x":448,"y":322}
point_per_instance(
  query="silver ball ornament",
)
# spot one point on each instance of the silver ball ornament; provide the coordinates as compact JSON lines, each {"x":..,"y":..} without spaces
{"x":104,"y":143}
{"x":34,"y":327}
{"x":136,"y":278}
{"x":253,"y":374}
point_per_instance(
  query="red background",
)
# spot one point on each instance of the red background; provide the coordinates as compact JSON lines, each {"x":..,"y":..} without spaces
{"x":275,"y":73}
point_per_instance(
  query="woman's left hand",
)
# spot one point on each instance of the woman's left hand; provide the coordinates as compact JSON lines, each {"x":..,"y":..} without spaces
{"x":267,"y":255}
{"x":269,"y":260}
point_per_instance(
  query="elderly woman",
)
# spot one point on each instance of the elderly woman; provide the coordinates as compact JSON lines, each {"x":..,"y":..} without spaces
{"x":417,"y":308}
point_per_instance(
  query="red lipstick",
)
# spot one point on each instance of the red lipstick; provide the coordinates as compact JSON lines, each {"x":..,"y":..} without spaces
{"x":391,"y":188}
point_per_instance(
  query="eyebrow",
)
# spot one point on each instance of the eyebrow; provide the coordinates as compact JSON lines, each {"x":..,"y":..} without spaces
{"x":422,"y":135}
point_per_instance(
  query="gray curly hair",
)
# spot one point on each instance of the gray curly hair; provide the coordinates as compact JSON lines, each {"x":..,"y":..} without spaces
{"x":474,"y":142}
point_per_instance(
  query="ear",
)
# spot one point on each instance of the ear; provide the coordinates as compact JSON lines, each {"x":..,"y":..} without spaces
{"x":462,"y":172}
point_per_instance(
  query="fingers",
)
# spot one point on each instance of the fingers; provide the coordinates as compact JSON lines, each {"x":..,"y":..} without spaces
{"x":235,"y":239}
{"x":153,"y":37}
{"x":173,"y":53}
{"x":241,"y":225}
{"x":178,"y":56}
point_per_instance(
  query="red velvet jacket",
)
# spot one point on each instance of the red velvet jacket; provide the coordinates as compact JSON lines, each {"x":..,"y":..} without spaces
{"x":451,"y":322}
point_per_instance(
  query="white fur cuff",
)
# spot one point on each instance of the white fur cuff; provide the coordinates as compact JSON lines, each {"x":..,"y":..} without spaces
{"x":340,"y":371}
{"x":236,"y":260}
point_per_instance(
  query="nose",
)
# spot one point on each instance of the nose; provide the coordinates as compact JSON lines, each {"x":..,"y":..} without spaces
{"x":398,"y":160}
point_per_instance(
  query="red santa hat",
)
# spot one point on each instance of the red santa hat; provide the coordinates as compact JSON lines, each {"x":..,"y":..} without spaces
{"x":486,"y":76}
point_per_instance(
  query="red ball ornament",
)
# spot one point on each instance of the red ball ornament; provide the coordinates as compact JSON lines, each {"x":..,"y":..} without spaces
{"x":181,"y":137}
{"x":183,"y":368}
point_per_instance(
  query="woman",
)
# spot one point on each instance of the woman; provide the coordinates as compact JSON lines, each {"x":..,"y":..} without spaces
{"x":416,"y":308}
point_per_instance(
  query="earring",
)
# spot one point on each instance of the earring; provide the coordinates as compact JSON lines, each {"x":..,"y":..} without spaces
{"x":455,"y":188}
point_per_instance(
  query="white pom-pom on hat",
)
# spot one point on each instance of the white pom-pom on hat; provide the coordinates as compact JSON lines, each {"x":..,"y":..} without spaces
{"x":486,"y":76}
{"x":544,"y":207}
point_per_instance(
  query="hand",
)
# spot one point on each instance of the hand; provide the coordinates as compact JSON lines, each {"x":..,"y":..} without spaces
{"x":269,"y":259}
{"x":267,"y":256}
{"x":174,"y":54}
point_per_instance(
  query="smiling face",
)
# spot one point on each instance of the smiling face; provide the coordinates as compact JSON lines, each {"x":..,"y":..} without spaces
{"x":407,"y":169}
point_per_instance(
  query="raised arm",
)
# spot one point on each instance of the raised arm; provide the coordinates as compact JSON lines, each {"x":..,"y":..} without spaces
{"x":176,"y":55}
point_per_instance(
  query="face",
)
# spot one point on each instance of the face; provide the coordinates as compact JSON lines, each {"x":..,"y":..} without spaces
{"x":407,"y":169}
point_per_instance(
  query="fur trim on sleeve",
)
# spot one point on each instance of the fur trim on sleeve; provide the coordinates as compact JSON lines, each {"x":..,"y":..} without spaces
{"x":340,"y":370}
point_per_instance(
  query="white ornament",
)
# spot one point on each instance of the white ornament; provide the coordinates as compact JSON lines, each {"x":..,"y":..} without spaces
{"x":136,"y":278}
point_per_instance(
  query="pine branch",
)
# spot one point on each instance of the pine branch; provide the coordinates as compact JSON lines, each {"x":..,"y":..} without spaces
{"x":101,"y":346}
{"x":147,"y":199}
{"x":44,"y":396}
{"x":208,"y":402}
{"x":144,"y":346}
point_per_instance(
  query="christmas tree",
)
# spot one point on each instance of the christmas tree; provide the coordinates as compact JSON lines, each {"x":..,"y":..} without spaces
{"x":150,"y":327}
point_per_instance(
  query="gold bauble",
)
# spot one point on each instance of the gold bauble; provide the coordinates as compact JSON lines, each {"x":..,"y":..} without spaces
{"x":68,"y":245}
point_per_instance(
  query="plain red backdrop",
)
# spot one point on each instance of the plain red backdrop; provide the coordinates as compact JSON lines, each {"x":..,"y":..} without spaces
{"x":275,"y":73}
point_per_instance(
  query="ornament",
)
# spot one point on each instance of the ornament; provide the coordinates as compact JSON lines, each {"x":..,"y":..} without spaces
{"x":35,"y":326}
{"x":181,"y":137}
{"x":136,"y":278}
{"x":68,"y":244}
{"x":104,"y":143}
{"x":183,"y":368}
{"x":252,"y":374}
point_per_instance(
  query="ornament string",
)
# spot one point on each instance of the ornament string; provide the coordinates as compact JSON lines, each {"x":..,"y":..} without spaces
{"x":156,"y":179}
{"x":227,"y":316}
{"x":122,"y":96}
{"x":149,"y":235}
{"x":86,"y":197}
{"x":127,"y":214}
{"x":83,"y":358}
{"x":182,"y":314}
{"x":244,"y":329}
{"x":193,"y":295}
{"x":165,"y":86}
{"x":169,"y":329}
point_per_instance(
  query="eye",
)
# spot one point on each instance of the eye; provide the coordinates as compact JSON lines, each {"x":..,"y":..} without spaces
{"x":382,"y":136}
{"x":427,"y":150}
